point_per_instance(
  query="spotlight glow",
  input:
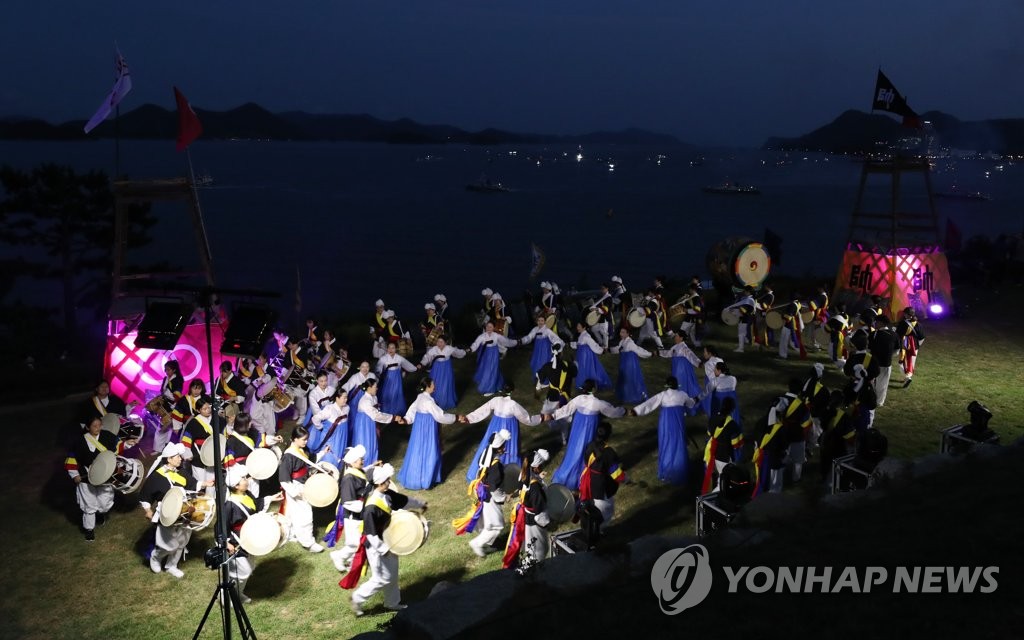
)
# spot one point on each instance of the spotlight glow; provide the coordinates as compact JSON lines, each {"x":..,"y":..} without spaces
{"x":935,"y":309}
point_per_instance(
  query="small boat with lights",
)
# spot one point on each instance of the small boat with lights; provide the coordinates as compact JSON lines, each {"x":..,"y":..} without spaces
{"x":733,"y":189}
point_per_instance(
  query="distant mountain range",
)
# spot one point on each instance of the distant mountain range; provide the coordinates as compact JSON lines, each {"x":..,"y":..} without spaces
{"x":251,"y":121}
{"x":859,"y":132}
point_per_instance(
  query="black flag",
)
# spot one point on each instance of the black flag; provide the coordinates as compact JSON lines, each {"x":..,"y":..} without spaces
{"x":887,"y":98}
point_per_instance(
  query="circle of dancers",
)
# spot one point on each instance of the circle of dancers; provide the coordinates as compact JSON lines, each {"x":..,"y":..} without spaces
{"x":332,"y":454}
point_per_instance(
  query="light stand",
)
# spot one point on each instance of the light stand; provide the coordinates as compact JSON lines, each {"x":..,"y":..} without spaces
{"x":218,"y":557}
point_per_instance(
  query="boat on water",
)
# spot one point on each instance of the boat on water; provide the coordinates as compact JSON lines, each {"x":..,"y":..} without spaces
{"x":485,"y":185}
{"x":956,"y":194}
{"x":732,"y":188}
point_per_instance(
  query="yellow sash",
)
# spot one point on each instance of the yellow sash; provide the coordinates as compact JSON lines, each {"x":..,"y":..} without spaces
{"x":243,"y":500}
{"x":228,"y":390}
{"x":377,"y":500}
{"x":95,"y":442}
{"x":99,"y":405}
{"x":172,"y":476}
{"x":352,"y":471}
{"x":202,"y":421}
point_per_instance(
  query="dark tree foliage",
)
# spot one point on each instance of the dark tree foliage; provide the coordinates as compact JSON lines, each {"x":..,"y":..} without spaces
{"x":66,"y":221}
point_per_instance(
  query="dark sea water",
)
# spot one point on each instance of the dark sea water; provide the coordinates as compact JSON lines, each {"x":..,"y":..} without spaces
{"x":362,"y":221}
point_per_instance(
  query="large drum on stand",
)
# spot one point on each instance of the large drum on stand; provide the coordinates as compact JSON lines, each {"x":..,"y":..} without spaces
{"x":739,"y":262}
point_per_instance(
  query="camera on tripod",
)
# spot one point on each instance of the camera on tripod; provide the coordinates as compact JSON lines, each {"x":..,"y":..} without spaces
{"x":215,"y":557}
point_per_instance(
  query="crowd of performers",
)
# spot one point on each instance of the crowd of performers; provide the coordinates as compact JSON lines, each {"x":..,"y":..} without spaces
{"x":339,"y":413}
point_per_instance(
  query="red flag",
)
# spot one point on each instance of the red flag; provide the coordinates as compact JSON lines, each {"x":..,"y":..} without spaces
{"x":189,"y":127}
{"x":954,"y":240}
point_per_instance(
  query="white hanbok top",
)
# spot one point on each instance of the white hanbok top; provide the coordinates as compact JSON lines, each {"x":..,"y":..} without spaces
{"x":487,"y":339}
{"x":682,"y":351}
{"x":368,"y":405}
{"x":393,"y":361}
{"x":435,"y":353}
{"x":587,"y":339}
{"x":318,"y":397}
{"x":588,"y":404}
{"x":709,"y":368}
{"x":539,"y":332}
{"x":628,"y":345}
{"x":355,"y":381}
{"x":503,"y":407}
{"x":424,"y":403}
{"x":722,"y":383}
{"x":329,"y":414}
{"x":667,"y":398}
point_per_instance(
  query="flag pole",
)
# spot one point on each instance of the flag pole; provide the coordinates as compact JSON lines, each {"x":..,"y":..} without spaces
{"x":117,"y":142}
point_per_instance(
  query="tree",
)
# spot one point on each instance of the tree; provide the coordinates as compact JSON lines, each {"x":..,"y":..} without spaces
{"x":69,"y":217}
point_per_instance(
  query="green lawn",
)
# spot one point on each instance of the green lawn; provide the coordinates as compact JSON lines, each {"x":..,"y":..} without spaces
{"x":57,"y":585}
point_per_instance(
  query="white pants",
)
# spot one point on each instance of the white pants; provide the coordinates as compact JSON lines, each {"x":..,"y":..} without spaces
{"x":882,"y":384}
{"x":562,"y":426}
{"x":494,"y":521}
{"x":647,"y":331}
{"x":384,"y":578}
{"x":742,"y":332}
{"x":93,"y":500}
{"x":784,"y":338}
{"x":796,"y":456}
{"x":170,"y":545}
{"x":161,"y":437}
{"x":607,"y":509}
{"x":300,"y":515}
{"x":538,"y":544}
{"x":689,"y":328}
{"x":775,"y":480}
{"x":601,"y":333}
{"x":202,"y":474}
{"x":241,"y":569}
{"x":301,"y":404}
{"x":353,"y":532}
{"x":263,"y":417}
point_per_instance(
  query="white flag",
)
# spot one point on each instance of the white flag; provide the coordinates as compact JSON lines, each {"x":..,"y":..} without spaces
{"x":122,"y":85}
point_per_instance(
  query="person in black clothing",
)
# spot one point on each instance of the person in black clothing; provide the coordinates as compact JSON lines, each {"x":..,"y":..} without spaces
{"x":103,"y":402}
{"x":816,"y":395}
{"x":724,"y":445}
{"x":537,"y":543}
{"x":883,"y":345}
{"x":492,"y":477}
{"x":229,"y":386}
{"x":602,"y":475}
{"x":240,"y":504}
{"x":558,"y":374}
{"x":838,"y":437}
{"x":861,"y":357}
{"x":94,"y":500}
{"x":909,"y":332}
{"x":376,"y":519}
{"x":353,"y":490}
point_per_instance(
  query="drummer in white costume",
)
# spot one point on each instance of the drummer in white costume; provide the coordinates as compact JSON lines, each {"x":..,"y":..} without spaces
{"x":93,"y":499}
{"x":168,"y":471}
{"x":537,"y":541}
{"x":376,"y":519}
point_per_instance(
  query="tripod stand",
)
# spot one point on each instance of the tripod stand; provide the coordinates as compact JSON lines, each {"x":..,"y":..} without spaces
{"x":218,"y":557}
{"x":227,"y":593}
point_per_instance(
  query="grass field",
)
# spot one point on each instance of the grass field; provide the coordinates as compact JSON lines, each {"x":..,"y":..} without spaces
{"x":56,"y":585}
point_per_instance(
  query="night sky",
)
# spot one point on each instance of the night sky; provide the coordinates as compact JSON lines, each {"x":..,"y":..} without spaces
{"x":707,"y":72}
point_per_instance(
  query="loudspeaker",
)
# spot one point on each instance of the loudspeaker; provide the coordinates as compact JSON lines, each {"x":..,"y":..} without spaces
{"x":163,"y":324}
{"x":249,"y":329}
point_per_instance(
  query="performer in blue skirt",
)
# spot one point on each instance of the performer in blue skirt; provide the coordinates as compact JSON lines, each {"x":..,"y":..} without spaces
{"x":507,"y":415}
{"x":331,"y":427}
{"x":587,"y":364}
{"x":355,"y":382}
{"x":585,"y":410}
{"x":684,"y":363}
{"x":630,"y":385}
{"x":722,"y":386}
{"x":422,"y":466}
{"x":364,"y":426}
{"x":391,"y":368}
{"x":439,"y":359}
{"x":488,"y":374}
{"x":673,"y":460}
{"x":542,"y":339}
